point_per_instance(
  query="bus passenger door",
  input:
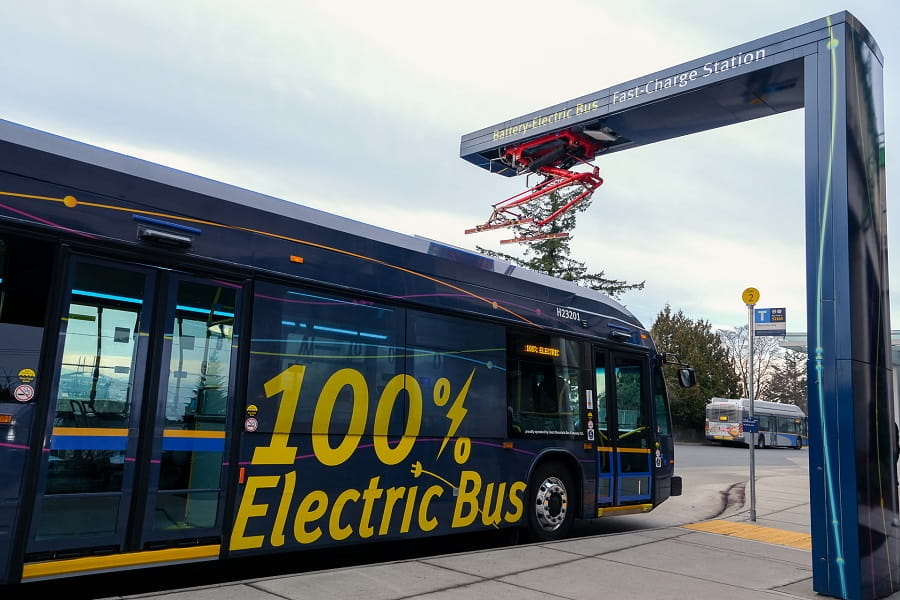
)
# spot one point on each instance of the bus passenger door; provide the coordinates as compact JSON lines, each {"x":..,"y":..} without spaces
{"x":632,"y":455}
{"x":624,"y":455}
{"x":135,"y":446}
{"x":88,"y":463}
{"x":186,"y":459}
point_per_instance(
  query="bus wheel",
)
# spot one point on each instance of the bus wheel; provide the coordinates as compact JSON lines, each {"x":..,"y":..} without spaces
{"x":550,"y":512}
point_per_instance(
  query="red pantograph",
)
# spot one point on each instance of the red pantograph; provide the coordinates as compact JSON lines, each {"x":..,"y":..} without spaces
{"x":551,"y":156}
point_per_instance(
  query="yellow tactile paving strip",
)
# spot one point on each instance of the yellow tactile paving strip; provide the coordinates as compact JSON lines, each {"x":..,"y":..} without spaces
{"x":769,"y":535}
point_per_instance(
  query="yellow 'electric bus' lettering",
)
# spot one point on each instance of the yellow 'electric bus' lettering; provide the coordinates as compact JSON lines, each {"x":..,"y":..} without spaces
{"x":247,"y":510}
{"x":290,"y":479}
{"x":467,"y":500}
{"x":515,"y":498}
{"x":312,"y":508}
{"x":394,"y":495}
{"x":408,"y":509}
{"x":370,"y":495}
{"x":427,"y":523}
{"x":335,"y":529}
{"x":491,"y":515}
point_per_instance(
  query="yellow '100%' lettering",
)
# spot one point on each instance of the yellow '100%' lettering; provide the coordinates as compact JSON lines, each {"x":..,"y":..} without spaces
{"x":383,"y":510}
{"x":288,"y":384}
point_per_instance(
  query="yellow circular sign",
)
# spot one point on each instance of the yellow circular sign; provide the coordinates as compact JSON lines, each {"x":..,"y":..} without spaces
{"x":750,"y":296}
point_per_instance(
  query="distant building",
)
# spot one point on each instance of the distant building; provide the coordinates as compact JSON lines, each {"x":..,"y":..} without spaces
{"x":797,"y":342}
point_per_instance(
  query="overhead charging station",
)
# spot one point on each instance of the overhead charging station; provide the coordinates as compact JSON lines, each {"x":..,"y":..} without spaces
{"x":833,"y":69}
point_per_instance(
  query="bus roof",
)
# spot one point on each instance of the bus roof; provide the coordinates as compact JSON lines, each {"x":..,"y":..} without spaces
{"x":759,"y":405}
{"x":61,"y":161}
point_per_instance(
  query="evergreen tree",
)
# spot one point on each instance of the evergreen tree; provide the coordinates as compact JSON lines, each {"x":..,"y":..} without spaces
{"x":694,"y":343}
{"x":552,"y":256}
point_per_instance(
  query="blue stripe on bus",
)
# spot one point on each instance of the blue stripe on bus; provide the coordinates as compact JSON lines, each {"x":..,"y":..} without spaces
{"x":203,"y":311}
{"x":106,"y":296}
{"x":88,"y":442}
{"x":196,"y":444}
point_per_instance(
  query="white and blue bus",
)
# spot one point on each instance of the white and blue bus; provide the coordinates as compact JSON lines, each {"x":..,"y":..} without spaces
{"x":780,"y":425}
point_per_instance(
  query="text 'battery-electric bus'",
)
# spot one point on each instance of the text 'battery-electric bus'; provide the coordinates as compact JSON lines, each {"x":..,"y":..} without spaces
{"x":192,"y":371}
{"x":779,"y":424}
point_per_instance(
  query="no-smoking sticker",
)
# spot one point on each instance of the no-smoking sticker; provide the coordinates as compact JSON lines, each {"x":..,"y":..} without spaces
{"x":251,"y":424}
{"x":23,"y":393}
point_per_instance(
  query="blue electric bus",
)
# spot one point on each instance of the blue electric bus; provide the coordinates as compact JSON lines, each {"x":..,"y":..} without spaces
{"x":192,"y":371}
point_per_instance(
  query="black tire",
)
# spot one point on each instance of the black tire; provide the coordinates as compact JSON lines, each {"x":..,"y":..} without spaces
{"x":551,"y":503}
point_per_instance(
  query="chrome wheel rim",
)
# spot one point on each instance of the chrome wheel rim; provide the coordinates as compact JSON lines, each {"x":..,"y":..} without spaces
{"x":551,"y":504}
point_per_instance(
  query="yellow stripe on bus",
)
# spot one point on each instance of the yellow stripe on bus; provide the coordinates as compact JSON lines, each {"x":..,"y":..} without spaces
{"x":633,"y":450}
{"x":90,"y":431}
{"x":608,"y":511}
{"x":113,"y":561}
{"x":117,"y":432}
{"x":193,"y":433}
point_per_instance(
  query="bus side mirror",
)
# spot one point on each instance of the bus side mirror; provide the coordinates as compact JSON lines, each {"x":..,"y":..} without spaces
{"x":687,"y":378}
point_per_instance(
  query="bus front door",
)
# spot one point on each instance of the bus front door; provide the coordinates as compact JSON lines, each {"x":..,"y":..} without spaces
{"x":135,"y":446}
{"x":624,"y":435}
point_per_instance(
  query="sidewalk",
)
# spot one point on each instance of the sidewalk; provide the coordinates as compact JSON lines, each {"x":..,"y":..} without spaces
{"x":730,"y":557}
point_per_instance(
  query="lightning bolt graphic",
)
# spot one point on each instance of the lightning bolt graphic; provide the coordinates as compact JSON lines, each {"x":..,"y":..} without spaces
{"x":456,"y":413}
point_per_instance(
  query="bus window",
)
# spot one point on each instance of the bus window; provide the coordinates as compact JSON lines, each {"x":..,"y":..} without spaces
{"x":544,"y":386}
{"x":632,"y":413}
{"x":661,"y":404}
{"x":787,"y":425}
{"x":445,"y":352}
{"x":349,"y":351}
{"x":600,"y":383}
{"x":24,"y":290}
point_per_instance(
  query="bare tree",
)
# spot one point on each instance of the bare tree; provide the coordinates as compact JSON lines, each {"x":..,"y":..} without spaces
{"x":767,"y":359}
{"x":789,"y":382}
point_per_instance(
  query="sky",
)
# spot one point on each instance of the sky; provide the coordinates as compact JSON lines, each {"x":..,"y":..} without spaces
{"x":357,"y":108}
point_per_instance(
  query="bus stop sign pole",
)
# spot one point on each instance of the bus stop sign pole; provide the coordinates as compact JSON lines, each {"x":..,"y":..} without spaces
{"x":750,"y":297}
